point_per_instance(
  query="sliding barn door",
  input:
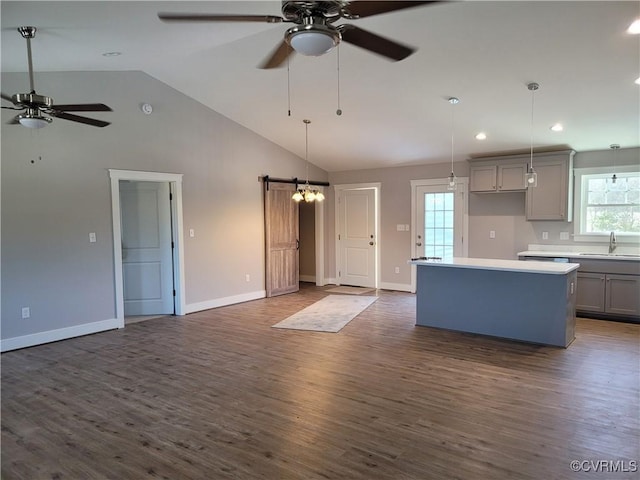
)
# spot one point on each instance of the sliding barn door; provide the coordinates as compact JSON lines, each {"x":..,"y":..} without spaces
{"x":281,"y":233}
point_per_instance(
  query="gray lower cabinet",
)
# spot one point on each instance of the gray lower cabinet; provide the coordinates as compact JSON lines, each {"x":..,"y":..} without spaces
{"x":622,"y":295}
{"x":612,"y":294}
{"x":591,"y":292}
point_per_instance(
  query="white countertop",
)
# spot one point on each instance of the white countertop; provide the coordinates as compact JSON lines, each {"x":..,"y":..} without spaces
{"x":562,"y":253}
{"x":553,"y":268}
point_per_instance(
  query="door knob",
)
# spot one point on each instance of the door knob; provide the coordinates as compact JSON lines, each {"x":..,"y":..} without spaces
{"x":418,"y":244}
{"x":370,"y":243}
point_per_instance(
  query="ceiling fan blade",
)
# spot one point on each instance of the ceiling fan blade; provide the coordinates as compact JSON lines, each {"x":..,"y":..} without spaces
{"x":83,"y":107}
{"x":278,"y":56}
{"x":6,"y":97}
{"x":367,"y":8}
{"x":374,"y":43}
{"x":203,"y":17}
{"x":77,"y":118}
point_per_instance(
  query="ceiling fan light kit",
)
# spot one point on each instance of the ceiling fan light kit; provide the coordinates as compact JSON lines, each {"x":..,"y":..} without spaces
{"x":312,"y":39}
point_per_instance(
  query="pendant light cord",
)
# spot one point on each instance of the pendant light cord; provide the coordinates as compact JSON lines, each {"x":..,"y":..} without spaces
{"x":533,"y":87}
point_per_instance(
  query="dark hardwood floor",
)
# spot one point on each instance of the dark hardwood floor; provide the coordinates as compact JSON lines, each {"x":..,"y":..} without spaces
{"x":221,"y":395}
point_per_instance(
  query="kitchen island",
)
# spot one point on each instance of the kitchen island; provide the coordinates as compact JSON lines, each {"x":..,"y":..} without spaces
{"x":526,"y":301}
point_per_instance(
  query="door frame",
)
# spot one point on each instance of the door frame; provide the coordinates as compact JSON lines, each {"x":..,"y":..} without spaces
{"x":338,"y":190}
{"x":461,"y":182}
{"x":175,"y":183}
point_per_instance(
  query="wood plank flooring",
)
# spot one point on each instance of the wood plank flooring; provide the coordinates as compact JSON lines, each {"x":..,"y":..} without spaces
{"x":221,"y":395}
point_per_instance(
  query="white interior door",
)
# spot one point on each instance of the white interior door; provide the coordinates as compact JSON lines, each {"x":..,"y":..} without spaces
{"x":357,"y":237}
{"x":147,"y":266}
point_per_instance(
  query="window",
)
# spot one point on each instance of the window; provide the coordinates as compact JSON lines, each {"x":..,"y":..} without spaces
{"x":438,"y":224}
{"x":605,"y":206}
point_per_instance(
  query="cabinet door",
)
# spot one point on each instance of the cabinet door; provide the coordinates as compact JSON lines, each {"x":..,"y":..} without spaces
{"x":482,"y":178}
{"x":590,"y":292}
{"x":512,"y":177}
{"x":622,"y":294}
{"x":549,"y":200}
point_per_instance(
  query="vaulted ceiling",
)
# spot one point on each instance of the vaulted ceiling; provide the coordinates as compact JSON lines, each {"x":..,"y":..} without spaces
{"x":394,"y":113}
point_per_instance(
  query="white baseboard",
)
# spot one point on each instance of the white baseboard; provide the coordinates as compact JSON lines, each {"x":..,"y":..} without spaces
{"x":400,"y":287}
{"x":39,"y":338}
{"x":308,"y":278}
{"x":221,"y":302}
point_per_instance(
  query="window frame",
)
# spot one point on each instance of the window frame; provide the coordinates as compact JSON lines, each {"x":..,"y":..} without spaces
{"x":580,"y":204}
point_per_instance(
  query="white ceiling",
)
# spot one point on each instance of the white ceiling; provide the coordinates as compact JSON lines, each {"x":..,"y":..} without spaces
{"x":484,"y":53}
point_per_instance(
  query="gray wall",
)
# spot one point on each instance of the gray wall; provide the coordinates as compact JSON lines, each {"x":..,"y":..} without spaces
{"x":56,"y":189}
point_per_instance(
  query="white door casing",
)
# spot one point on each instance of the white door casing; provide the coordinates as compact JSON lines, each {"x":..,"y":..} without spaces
{"x":175,"y":180}
{"x":460,"y":222}
{"x":357,"y":242}
{"x":147,"y":267}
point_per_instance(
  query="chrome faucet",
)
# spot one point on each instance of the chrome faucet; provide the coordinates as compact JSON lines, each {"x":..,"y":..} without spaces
{"x":612,"y":242}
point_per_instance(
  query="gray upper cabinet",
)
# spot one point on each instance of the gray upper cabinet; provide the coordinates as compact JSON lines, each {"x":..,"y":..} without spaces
{"x":552,"y":199}
{"x":497,"y":176}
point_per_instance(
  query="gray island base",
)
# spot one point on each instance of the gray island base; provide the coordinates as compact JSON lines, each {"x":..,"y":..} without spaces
{"x":525,"y":301}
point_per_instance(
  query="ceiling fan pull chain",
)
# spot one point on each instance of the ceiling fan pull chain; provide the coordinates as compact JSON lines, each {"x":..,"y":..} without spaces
{"x":288,"y":87}
{"x":339,"y":110}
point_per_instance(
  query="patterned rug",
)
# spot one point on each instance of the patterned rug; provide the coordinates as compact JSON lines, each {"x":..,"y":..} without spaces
{"x":350,"y":290}
{"x":327,"y":315}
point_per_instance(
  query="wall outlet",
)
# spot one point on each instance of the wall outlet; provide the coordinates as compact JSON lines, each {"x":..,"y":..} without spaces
{"x":92,"y":237}
{"x":492,"y":234}
{"x":247,"y":277}
{"x":192,"y":232}
{"x":397,"y":269}
{"x":26,"y":312}
{"x":545,"y":235}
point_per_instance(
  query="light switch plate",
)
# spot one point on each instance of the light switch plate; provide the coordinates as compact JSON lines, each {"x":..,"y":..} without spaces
{"x":492,"y":234}
{"x":92,"y":237}
{"x":564,"y":235}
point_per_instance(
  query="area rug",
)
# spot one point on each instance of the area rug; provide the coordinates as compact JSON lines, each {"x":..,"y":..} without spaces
{"x":327,"y":315}
{"x":350,"y":290}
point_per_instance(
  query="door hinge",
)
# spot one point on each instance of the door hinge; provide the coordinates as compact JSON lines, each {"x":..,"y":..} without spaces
{"x":172,"y":245}
{"x":338,"y":236}
{"x":174,"y":293}
{"x":170,"y":196}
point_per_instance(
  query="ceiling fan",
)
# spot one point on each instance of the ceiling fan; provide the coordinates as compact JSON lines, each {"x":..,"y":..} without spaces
{"x":314,"y":33}
{"x":35,"y":105}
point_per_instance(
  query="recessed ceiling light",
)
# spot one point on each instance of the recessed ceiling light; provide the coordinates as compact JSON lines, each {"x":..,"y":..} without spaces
{"x":557,"y":127}
{"x":481,"y":136}
{"x":111,"y":54}
{"x":634,"y":28}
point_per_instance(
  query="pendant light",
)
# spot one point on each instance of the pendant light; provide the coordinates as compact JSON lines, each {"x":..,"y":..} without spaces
{"x":452,"y":177}
{"x":615,"y":147}
{"x":532,"y":176}
{"x":307,"y":193}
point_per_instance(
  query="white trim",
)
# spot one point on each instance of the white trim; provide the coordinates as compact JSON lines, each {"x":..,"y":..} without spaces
{"x":338,"y":189}
{"x":39,"y":338}
{"x":309,"y":278}
{"x":224,"y":301}
{"x":319,"y":254}
{"x":579,"y":215}
{"x":175,"y":180}
{"x":461,"y":181}
{"x":400,"y":287}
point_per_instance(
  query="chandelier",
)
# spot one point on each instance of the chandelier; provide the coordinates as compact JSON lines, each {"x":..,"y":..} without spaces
{"x":307,"y":193}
